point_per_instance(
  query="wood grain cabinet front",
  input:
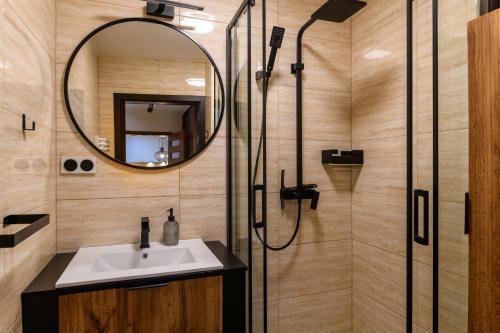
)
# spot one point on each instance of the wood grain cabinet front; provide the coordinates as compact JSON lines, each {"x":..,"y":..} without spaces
{"x":184,"y":306}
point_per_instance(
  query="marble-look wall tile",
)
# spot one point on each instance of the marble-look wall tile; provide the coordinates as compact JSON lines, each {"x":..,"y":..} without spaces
{"x":272,"y":276}
{"x":3,"y":63}
{"x":320,"y":72}
{"x":380,"y":220}
{"x":272,"y":317}
{"x":371,"y":317}
{"x":454,"y":165}
{"x":453,"y":243}
{"x":94,"y":222}
{"x":453,"y":300}
{"x":203,"y":217}
{"x":331,"y":221}
{"x":380,"y":275}
{"x":378,"y":84}
{"x":111,"y":180}
{"x":326,"y":115}
{"x":384,"y":168}
{"x":28,"y":161}
{"x":30,"y":78}
{"x":127,"y":3}
{"x":206,"y":174}
{"x":316,"y":267}
{"x":376,"y":15}
{"x":77,"y":18}
{"x":319,"y":313}
{"x":39,"y":17}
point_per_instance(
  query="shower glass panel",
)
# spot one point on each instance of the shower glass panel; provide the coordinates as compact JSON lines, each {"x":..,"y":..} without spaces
{"x":453,"y":142}
{"x":247,"y":178}
{"x":440,"y":163}
{"x":239,"y":137}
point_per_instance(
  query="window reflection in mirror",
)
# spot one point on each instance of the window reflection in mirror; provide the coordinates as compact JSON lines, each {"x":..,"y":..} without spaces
{"x":144,"y":94}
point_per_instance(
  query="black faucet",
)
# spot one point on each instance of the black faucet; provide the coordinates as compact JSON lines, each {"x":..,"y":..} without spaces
{"x":145,"y":233}
{"x":305,"y":191}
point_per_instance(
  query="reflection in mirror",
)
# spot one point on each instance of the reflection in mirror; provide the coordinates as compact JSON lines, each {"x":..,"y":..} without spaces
{"x":144,"y":94}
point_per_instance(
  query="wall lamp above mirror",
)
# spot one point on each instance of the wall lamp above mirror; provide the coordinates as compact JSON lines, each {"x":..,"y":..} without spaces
{"x":147,"y":89}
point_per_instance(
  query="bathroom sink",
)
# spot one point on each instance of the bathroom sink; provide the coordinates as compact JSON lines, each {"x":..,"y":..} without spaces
{"x":101,"y":264}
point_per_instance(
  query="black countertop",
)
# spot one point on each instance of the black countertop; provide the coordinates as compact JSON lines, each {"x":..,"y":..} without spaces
{"x":45,"y":281}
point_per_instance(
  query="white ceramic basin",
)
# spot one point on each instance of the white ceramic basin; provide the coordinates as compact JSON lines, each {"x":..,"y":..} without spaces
{"x":100,"y":264}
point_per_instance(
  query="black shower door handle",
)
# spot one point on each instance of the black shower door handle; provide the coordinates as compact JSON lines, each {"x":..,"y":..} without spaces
{"x":425,"y":196}
{"x":261,"y":224}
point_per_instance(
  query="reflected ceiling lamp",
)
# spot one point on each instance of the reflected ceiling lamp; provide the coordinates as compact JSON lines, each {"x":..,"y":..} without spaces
{"x":161,"y":155}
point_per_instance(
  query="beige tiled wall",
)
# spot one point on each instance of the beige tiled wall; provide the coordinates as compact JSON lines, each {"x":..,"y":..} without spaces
{"x":378,"y":205}
{"x":27,"y":161}
{"x":106,"y":208}
{"x":310,"y":289}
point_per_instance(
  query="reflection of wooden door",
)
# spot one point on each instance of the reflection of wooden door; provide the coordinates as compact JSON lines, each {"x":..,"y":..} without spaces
{"x":193,"y":305}
{"x":175,"y":148}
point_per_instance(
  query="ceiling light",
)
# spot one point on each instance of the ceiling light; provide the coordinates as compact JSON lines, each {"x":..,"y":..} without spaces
{"x":196,"y":82}
{"x":196,"y":25}
{"x":161,"y":155}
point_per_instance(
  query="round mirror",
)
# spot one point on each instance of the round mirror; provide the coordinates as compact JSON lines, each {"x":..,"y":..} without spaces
{"x":143,"y":93}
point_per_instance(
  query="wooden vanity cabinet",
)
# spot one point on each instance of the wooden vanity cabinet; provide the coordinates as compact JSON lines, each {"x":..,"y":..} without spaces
{"x":193,"y":305}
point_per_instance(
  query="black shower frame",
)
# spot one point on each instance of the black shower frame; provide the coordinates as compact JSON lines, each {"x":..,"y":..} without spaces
{"x":247,"y":5}
{"x":435,"y":168}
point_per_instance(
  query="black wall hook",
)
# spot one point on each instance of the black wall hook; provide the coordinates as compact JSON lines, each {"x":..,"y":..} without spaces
{"x":33,"y":124}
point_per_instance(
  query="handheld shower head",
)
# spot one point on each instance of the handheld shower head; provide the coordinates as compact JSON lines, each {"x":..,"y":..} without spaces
{"x":275,"y":44}
{"x":277,"y":37}
{"x":338,"y":10}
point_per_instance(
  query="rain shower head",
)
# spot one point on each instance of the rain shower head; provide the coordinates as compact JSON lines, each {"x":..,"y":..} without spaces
{"x":338,"y":10}
{"x":275,"y":44}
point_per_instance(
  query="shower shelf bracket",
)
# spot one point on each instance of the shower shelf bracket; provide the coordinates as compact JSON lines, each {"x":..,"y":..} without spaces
{"x":33,"y":222}
{"x":336,"y":157}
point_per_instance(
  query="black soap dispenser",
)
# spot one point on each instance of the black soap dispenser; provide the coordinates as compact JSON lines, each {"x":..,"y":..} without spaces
{"x":171,"y":230}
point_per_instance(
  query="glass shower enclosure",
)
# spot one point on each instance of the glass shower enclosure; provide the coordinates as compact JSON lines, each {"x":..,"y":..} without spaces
{"x":436,"y":160}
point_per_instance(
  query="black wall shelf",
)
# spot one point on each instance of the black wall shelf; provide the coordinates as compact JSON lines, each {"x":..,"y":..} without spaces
{"x":33,"y":222}
{"x":336,"y":157}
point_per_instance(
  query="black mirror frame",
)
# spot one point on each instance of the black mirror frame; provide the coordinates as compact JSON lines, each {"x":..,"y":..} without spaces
{"x":148,"y":20}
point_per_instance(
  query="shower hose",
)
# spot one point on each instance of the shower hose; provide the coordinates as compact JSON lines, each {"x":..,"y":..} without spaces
{"x":254,"y":178}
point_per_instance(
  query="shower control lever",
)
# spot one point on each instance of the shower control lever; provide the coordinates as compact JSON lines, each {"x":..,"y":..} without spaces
{"x":306,"y":191}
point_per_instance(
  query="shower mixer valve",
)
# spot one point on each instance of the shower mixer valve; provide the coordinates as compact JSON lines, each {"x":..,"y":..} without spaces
{"x":306,"y":191}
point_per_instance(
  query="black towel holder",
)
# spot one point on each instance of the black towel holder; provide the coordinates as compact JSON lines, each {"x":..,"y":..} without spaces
{"x":33,"y":222}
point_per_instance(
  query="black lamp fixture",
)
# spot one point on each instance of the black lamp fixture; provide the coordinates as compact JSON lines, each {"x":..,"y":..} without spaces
{"x":151,"y":108}
{"x":166,"y":8}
